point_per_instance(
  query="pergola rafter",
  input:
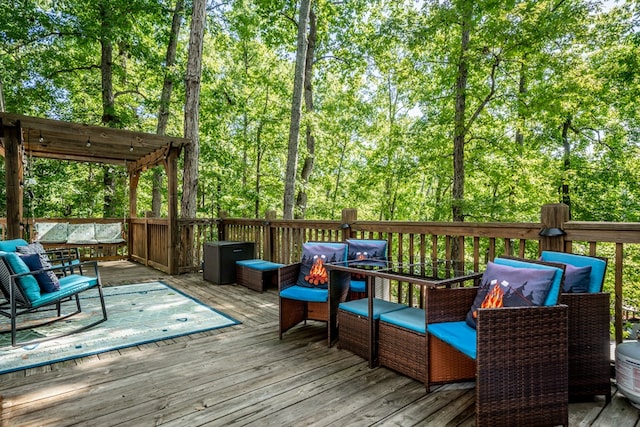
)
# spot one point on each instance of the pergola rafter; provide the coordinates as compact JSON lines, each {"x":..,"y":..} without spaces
{"x":54,"y":139}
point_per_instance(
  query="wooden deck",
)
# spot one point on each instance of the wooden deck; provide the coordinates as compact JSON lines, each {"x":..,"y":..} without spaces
{"x":242,"y":375}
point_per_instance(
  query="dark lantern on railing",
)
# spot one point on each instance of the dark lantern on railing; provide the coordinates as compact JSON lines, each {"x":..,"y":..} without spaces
{"x":552,"y":232}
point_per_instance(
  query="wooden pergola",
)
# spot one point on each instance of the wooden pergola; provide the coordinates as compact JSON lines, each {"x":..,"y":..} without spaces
{"x":54,"y":139}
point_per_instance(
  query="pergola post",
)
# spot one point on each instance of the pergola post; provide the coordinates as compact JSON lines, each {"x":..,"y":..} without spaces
{"x":134,"y":178}
{"x":171,"y":168}
{"x":13,"y":178}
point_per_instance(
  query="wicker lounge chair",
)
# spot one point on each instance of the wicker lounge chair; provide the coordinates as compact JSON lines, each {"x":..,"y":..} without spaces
{"x":589,"y":323}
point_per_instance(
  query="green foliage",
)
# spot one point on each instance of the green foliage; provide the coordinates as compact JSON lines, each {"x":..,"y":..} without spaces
{"x":383,"y":91}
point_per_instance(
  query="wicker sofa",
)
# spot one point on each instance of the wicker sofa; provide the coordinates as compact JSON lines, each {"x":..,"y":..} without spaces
{"x":517,"y":355}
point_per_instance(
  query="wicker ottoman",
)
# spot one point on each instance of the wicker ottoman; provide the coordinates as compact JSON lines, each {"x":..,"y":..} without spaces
{"x":402,"y":342}
{"x":257,"y":274}
{"x":353,"y":325}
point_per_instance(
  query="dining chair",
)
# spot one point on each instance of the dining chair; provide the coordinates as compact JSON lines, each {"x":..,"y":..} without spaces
{"x":308,"y":291}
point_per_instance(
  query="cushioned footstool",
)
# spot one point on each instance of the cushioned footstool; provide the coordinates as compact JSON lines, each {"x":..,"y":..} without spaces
{"x":402,"y":342}
{"x":353,"y":325}
{"x":256,"y":274}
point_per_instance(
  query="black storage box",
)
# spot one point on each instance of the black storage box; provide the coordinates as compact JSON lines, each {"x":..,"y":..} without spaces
{"x":220,"y":260}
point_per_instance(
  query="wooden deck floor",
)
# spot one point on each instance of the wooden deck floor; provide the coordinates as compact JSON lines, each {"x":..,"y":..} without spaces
{"x":242,"y":375}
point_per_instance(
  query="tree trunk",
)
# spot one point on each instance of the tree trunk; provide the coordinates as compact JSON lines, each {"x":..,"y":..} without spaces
{"x":459,"y":126}
{"x":191,"y":125}
{"x":566,"y":198}
{"x":522,"y":90}
{"x":191,"y":117}
{"x":165,"y":101}
{"x":260,"y":153}
{"x":108,"y":104}
{"x":457,"y":205}
{"x":296,"y":111}
{"x":307,"y":167}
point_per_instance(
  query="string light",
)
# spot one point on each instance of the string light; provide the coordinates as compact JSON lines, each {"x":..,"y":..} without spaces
{"x":41,"y":138}
{"x":89,"y":142}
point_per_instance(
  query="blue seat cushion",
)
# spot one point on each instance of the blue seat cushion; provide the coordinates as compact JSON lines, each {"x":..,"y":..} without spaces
{"x":358,"y":286}
{"x":361,"y":307}
{"x":598,"y":267}
{"x":411,"y":318}
{"x":69,"y":285}
{"x":259,"y":264}
{"x":457,"y":334}
{"x":303,"y":293}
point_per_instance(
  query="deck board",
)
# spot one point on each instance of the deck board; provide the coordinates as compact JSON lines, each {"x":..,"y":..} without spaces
{"x":242,"y":375}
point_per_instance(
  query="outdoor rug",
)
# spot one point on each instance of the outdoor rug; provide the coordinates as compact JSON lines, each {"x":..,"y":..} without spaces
{"x":137,"y":314}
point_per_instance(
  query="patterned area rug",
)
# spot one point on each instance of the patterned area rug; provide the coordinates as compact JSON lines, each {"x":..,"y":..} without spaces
{"x":137,"y":314}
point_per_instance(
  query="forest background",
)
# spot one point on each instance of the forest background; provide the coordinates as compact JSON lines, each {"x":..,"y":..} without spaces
{"x":535,"y":100}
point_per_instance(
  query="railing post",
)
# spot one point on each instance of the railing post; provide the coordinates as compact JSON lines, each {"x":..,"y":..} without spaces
{"x":267,"y":247}
{"x":349,"y":216}
{"x":553,"y":217}
{"x":221,"y":226}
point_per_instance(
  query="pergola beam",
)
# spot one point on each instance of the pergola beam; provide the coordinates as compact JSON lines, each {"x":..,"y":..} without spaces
{"x":54,"y":139}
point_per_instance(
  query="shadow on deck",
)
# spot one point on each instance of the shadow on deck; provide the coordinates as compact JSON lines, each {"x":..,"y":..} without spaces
{"x":242,"y":375}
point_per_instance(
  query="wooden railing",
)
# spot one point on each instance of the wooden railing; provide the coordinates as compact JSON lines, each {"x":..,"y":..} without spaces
{"x":410,"y":242}
{"x":477,"y":243}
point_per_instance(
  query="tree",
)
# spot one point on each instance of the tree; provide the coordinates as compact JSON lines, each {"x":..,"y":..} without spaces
{"x":191,"y":113}
{"x":307,"y":167}
{"x":296,"y":111}
{"x":165,"y":100}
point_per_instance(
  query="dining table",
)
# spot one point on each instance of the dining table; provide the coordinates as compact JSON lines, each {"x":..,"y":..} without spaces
{"x":426,"y":275}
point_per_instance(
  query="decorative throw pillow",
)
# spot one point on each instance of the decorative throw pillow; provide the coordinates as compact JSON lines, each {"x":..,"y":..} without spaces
{"x":367,"y":254}
{"x":33,"y":248}
{"x":576,"y":279}
{"x":28,"y":284}
{"x":47,"y":280}
{"x":313,"y":272}
{"x":506,"y":286}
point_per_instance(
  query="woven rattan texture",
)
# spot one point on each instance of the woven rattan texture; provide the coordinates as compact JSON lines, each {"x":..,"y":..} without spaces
{"x":589,"y":344}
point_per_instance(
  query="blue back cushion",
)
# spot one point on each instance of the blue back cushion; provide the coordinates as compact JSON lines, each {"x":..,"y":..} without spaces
{"x":12,"y":245}
{"x":47,"y":280}
{"x":598,"y":269}
{"x":511,"y":286}
{"x":28,"y":283}
{"x":315,"y":255}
